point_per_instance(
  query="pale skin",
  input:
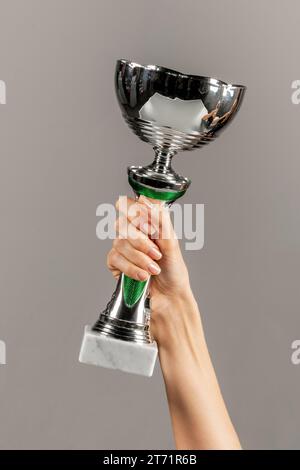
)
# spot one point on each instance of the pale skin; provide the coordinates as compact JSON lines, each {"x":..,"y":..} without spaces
{"x":146,"y":246}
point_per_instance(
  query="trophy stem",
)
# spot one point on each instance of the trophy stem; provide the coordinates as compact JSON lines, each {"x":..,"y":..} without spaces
{"x":162,"y":161}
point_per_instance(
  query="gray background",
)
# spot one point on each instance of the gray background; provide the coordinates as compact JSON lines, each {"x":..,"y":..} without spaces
{"x":65,"y":148}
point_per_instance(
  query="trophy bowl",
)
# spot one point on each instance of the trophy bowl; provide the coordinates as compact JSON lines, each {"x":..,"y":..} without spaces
{"x":173,"y":112}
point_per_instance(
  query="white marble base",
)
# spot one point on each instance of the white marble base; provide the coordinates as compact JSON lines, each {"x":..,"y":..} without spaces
{"x":100,"y":350}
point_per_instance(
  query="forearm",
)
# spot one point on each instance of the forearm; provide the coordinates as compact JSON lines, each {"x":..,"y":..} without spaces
{"x":198,"y":413}
{"x":199,"y":416}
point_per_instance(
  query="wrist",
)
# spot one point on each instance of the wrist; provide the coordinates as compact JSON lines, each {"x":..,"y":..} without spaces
{"x":176,"y":322}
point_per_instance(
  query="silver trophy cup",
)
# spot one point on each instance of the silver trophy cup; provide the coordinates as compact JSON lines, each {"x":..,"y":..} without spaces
{"x":173,"y":112}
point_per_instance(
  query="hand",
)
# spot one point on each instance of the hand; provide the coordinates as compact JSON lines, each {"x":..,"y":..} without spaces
{"x":147,"y":245}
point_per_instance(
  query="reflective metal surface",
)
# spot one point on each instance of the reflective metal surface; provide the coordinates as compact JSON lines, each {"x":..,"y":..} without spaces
{"x":173,"y":112}
{"x":130,"y":323}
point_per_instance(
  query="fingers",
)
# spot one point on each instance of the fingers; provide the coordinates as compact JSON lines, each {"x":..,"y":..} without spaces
{"x":117,"y":262}
{"x":150,"y":217}
{"x":134,"y":252}
{"x":131,"y":208}
{"x":139,"y":259}
{"x":139,"y":240}
{"x":164,"y":234}
{"x":142,"y":210}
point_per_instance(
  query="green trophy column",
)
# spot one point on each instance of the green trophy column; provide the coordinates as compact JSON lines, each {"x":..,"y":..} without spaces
{"x":133,"y":290}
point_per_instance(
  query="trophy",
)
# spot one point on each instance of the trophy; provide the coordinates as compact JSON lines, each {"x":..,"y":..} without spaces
{"x":173,"y":112}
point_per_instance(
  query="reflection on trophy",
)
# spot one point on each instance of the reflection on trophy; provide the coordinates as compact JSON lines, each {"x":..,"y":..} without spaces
{"x":173,"y":112}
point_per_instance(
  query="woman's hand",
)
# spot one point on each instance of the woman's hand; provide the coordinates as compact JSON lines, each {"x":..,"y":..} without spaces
{"x":147,"y":245}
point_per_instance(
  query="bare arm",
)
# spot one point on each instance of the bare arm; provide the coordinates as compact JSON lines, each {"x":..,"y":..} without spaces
{"x":198,"y":413}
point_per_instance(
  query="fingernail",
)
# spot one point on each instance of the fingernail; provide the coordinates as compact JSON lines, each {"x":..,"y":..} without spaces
{"x":142,"y":276}
{"x":155,"y":253}
{"x":154,"y":268}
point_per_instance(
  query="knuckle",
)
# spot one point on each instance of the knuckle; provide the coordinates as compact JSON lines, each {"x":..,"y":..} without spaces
{"x":120,"y":202}
{"x":116,"y":225}
{"x":135,"y":242}
{"x":116,"y":243}
{"x":109,"y":258}
{"x":136,"y":210}
{"x":113,"y":257}
{"x":142,"y":245}
{"x":132,"y":233}
{"x":120,"y":225}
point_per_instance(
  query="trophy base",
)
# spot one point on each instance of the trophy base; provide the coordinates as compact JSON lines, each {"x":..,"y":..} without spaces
{"x":127,"y":356}
{"x":121,"y":329}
